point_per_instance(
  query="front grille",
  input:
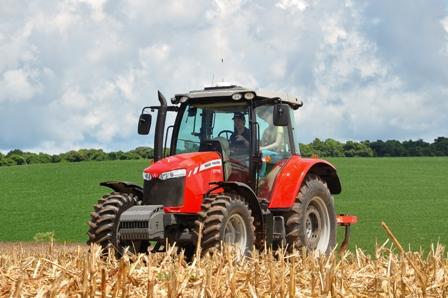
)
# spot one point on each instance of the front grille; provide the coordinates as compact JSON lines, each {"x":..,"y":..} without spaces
{"x":133,"y":225}
{"x":169,"y":193}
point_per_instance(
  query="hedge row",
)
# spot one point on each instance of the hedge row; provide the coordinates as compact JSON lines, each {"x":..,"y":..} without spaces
{"x":18,"y":157}
{"x":327,"y":148}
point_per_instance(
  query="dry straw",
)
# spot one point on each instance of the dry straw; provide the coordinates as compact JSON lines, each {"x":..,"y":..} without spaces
{"x":74,"y":271}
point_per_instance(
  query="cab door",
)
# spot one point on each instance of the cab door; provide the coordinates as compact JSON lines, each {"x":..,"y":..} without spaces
{"x":275,"y":146}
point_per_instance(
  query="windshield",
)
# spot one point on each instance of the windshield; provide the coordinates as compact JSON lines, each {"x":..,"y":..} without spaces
{"x":218,"y":121}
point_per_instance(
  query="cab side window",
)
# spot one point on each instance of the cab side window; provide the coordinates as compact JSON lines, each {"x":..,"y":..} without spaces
{"x":275,"y":148}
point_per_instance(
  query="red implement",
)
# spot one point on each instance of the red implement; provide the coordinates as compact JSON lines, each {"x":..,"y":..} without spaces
{"x":346,"y":221}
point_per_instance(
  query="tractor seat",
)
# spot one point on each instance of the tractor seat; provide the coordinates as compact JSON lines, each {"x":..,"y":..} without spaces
{"x":220,"y":145}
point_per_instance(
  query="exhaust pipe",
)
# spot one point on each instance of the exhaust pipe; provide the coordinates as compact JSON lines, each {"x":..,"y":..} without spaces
{"x":160,"y":127}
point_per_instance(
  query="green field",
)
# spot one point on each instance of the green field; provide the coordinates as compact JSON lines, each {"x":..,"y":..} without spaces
{"x":409,"y":194}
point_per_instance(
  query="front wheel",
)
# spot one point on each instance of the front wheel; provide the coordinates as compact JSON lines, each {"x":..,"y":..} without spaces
{"x":311,"y":223}
{"x":104,"y":220}
{"x":226,"y":218}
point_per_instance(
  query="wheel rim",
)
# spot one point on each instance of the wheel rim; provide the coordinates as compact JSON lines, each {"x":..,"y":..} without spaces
{"x":235,"y":232}
{"x":317,"y":225}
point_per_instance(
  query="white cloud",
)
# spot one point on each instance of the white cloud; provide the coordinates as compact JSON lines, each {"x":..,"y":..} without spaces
{"x":154,"y":54}
{"x":80,"y":71}
{"x":97,"y":9}
{"x":444,"y":23}
{"x":72,"y":98}
{"x":300,"y":5}
{"x":17,"y":85}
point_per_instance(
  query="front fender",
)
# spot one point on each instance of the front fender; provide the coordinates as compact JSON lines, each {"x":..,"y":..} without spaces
{"x":125,"y":187}
{"x":292,"y":176}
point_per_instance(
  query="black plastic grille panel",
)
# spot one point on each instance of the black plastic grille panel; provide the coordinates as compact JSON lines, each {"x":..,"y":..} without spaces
{"x":169,"y":193}
{"x":133,"y":225}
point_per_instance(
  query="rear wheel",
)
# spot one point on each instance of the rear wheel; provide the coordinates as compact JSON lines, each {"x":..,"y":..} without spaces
{"x":312,"y":221}
{"x":226,"y":218}
{"x":103,"y":223}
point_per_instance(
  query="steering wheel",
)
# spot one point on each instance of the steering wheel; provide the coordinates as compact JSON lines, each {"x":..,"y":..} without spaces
{"x":227,"y":132}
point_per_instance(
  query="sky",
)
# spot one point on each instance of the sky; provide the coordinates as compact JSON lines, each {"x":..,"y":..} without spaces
{"x":76,"y":73}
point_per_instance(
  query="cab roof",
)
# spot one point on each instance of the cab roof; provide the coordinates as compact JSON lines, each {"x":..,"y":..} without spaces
{"x":229,"y":91}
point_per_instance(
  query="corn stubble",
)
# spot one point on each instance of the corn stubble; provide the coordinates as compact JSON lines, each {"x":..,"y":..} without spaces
{"x":69,"y":271}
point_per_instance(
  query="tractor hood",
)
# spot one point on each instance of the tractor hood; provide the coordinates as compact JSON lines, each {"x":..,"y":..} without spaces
{"x":180,"y":182}
{"x":188,"y":163}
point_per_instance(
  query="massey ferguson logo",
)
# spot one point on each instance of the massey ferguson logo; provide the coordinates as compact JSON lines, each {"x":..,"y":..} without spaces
{"x":210,"y":164}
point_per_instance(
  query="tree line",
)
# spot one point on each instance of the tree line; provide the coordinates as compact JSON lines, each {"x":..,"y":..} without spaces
{"x":379,"y":148}
{"x":18,"y":157}
{"x":327,"y":148}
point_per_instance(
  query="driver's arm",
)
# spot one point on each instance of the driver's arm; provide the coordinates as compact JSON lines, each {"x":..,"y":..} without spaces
{"x":278,"y":140}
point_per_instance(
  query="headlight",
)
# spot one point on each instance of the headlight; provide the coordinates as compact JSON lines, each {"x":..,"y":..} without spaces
{"x":173,"y":174}
{"x":146,"y":176}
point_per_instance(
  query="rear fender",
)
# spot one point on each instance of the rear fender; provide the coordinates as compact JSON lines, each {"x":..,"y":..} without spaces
{"x":292,"y":176}
{"x":125,"y":187}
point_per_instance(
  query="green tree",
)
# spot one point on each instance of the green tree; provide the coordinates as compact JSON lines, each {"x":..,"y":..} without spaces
{"x":6,"y":161}
{"x":378,"y":147}
{"x":417,"y":148}
{"x":352,"y":149}
{"x":144,"y":152}
{"x":317,"y":147}
{"x":31,"y":158}
{"x":395,"y":148}
{"x":93,"y":154}
{"x":44,"y":157}
{"x":440,"y":146}
{"x":17,"y":159}
{"x":332,"y":148}
{"x":14,"y":152}
{"x":72,"y":156}
{"x":306,"y":150}
{"x":55,"y":158}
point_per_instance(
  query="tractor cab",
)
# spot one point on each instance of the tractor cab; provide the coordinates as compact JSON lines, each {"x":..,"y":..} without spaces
{"x":252,"y":131}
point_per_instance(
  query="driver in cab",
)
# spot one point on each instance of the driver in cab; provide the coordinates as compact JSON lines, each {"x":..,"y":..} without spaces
{"x":239,"y":140}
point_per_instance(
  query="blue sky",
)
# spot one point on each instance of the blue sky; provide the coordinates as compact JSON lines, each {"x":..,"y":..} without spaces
{"x":75,"y":74}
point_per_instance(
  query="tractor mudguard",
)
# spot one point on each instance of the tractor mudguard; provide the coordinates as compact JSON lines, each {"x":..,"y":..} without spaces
{"x":291,"y":178}
{"x":246,"y":192}
{"x":125,"y":187}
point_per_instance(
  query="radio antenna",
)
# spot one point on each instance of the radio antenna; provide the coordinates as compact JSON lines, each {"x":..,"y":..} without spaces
{"x":222,"y":63}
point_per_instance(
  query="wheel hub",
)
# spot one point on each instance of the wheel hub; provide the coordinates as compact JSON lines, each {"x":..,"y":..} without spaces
{"x":317,"y":225}
{"x":235,"y":232}
{"x":313,"y":227}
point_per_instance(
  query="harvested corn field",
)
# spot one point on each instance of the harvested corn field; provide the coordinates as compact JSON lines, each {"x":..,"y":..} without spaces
{"x":69,"y":270}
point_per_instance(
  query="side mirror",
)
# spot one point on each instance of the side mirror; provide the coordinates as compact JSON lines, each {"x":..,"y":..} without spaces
{"x":144,"y":124}
{"x":281,"y":115}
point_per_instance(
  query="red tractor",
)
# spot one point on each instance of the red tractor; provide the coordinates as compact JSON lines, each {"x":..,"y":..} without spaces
{"x":233,"y":173}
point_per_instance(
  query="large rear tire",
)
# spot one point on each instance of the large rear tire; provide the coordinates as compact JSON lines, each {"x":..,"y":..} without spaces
{"x":226,"y":218}
{"x":103,"y":223}
{"x":311,"y":223}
